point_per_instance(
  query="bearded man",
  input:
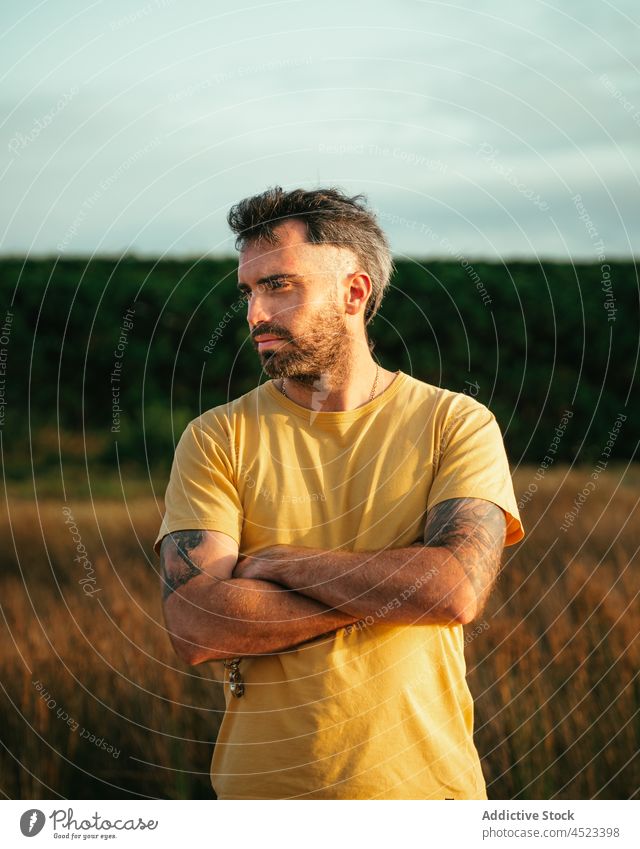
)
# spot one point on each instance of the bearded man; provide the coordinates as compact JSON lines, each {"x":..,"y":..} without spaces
{"x":327,"y":535}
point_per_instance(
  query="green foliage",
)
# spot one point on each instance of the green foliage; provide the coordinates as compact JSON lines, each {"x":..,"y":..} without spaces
{"x":529,"y":340}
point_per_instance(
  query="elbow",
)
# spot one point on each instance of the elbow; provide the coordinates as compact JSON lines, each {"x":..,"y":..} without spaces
{"x":465,"y":607}
{"x":187,"y":652}
{"x":185,"y":639}
{"x":193,"y":653}
{"x":190,"y":654}
{"x":194,"y":657}
{"x":193,"y":649}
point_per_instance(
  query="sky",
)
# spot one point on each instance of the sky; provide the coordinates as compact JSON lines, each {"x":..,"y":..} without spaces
{"x":497,"y":130}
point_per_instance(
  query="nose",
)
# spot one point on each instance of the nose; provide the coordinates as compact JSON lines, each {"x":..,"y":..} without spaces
{"x":256,"y":311}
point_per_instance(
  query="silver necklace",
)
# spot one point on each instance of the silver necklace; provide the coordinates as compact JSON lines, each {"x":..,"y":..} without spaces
{"x":373,"y":388}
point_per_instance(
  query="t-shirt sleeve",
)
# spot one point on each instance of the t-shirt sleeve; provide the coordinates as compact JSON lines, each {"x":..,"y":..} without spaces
{"x":472,"y":463}
{"x":201,"y":493}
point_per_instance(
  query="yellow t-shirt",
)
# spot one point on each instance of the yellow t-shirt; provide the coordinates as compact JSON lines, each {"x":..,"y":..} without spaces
{"x":374,"y":711}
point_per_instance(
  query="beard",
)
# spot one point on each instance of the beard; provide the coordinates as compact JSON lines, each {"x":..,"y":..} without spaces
{"x":318,"y":356}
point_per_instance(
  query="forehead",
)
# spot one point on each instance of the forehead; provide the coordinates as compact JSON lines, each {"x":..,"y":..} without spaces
{"x":292,"y":254}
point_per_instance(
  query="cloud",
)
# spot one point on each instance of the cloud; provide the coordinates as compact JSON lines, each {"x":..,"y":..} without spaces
{"x":223,"y":102}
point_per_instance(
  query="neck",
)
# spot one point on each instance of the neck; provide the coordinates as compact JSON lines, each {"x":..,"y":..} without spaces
{"x":344,"y":391}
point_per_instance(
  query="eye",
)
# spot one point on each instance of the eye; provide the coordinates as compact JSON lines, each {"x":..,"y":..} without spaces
{"x":245,"y":294}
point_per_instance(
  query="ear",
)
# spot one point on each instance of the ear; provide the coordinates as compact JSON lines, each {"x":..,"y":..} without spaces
{"x":357,"y":292}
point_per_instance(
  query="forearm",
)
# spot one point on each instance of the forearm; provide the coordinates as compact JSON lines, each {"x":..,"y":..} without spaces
{"x":413,"y":585}
{"x":215,"y":620}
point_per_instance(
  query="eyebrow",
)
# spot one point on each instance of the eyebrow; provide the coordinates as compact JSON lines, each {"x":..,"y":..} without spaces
{"x":271,"y":278}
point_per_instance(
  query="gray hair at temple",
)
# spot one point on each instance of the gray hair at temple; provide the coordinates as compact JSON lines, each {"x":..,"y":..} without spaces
{"x":331,"y":218}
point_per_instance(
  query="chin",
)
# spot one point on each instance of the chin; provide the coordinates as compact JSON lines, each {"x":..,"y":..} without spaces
{"x":275,"y":366}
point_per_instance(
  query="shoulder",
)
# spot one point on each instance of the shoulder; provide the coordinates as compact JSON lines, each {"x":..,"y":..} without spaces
{"x":445,"y":405}
{"x":459,"y":405}
{"x":225,"y":418}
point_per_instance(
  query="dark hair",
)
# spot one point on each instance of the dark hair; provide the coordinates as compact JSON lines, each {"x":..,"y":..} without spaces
{"x":331,"y":218}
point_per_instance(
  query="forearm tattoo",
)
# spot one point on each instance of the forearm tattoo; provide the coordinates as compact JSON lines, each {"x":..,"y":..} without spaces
{"x":474,"y":531}
{"x":175,"y":573}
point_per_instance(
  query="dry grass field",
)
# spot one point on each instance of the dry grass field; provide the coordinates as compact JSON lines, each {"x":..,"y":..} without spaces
{"x":95,"y":704}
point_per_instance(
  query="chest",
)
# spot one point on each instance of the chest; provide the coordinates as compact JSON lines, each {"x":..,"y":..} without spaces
{"x":357,"y":490}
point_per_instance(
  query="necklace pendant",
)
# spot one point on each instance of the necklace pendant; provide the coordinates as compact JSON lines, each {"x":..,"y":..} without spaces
{"x":237,"y":689}
{"x":236,"y":684}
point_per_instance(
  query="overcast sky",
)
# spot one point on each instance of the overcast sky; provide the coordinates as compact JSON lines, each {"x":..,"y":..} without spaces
{"x":133,"y":126}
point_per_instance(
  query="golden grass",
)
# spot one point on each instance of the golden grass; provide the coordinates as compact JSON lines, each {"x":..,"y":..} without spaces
{"x":554,"y":672}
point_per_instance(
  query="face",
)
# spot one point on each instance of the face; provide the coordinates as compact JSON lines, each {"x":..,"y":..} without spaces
{"x":296,"y":309}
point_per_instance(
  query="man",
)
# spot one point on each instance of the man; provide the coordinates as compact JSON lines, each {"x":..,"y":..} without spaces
{"x":328,"y":534}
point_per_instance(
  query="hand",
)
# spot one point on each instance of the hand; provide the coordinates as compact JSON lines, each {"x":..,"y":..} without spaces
{"x":262,"y":565}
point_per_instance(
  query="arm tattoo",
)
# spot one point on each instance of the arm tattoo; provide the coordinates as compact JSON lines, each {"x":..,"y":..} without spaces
{"x":474,"y":531}
{"x":174,"y":573}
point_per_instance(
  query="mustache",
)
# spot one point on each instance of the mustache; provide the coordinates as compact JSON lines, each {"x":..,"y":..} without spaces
{"x":272,"y":329}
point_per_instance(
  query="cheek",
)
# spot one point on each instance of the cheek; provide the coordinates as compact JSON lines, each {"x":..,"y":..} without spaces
{"x":295,"y":314}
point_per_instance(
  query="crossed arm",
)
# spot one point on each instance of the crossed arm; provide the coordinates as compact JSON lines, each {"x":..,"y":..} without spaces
{"x":211,"y":615}
{"x":218,"y":606}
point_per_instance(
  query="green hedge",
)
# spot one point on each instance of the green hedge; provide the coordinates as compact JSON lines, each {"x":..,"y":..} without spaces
{"x":529,"y":340}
